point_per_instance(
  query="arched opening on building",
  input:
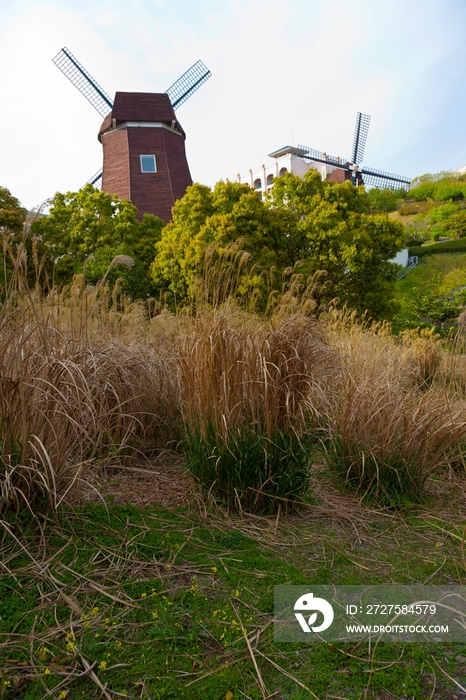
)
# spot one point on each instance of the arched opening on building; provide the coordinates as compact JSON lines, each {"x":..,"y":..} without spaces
{"x":269,"y":180}
{"x":257,"y":184}
{"x":283,"y":171}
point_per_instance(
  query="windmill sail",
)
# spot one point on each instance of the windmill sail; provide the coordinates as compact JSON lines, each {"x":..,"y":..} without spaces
{"x":188,"y":83}
{"x":95,"y":178}
{"x":383,"y":180}
{"x":366,"y":176}
{"x":360,"y":137}
{"x":319,"y":157}
{"x":83,"y":81}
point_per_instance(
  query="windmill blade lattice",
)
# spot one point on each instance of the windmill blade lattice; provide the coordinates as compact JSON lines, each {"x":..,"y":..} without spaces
{"x":319,"y":157}
{"x":188,"y":83}
{"x":383,"y":180}
{"x":360,"y":136}
{"x":95,"y":178}
{"x":83,"y":81}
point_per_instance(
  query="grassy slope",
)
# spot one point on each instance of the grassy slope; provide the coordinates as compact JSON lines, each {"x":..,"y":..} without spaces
{"x":154,"y":600}
{"x":451,"y":267}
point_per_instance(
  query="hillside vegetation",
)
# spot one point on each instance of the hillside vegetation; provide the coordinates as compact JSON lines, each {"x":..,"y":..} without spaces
{"x":270,"y":414}
{"x":434,"y":217}
{"x":163,"y":466}
{"x":435,"y":207}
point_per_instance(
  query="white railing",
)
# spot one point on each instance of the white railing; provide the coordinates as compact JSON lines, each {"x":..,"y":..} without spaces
{"x":412,"y":262}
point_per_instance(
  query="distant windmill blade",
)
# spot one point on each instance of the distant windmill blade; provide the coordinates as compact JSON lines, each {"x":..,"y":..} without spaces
{"x":360,"y":137}
{"x":95,"y":178}
{"x":383,"y":180}
{"x":319,"y":157}
{"x":83,"y":81}
{"x":188,"y":83}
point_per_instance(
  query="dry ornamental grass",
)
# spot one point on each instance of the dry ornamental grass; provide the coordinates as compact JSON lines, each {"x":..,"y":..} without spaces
{"x":88,"y":377}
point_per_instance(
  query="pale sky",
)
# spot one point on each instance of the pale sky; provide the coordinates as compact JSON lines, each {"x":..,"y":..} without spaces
{"x":283,"y":72}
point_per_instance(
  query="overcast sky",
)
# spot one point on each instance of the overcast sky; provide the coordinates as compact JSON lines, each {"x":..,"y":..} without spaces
{"x":283,"y":72}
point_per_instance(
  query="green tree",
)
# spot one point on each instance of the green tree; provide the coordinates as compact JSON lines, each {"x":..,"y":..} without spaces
{"x":12,"y":214}
{"x":204,"y":218}
{"x":384,"y":200}
{"x":432,"y":305}
{"x":12,"y":218}
{"x":440,"y":187}
{"x":323,"y":226}
{"x":455,"y":225}
{"x":94,"y":224}
{"x":332,"y":230}
{"x":134,"y":280}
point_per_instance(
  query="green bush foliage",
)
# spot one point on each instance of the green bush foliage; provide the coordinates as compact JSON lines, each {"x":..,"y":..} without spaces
{"x":384,"y":200}
{"x":12,"y":214}
{"x":414,"y":208}
{"x":429,"y":305}
{"x":458,"y":246}
{"x":330,"y":229}
{"x":455,"y":225}
{"x":91,"y":225}
{"x":440,"y":187}
{"x":248,"y":469}
{"x":12,"y":220}
{"x":213,"y":220}
{"x":306,"y":222}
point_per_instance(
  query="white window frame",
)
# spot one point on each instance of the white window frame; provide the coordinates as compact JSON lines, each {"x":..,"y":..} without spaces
{"x":148,"y":155}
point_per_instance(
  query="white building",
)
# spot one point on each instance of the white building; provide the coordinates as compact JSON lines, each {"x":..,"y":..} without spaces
{"x":287,"y":160}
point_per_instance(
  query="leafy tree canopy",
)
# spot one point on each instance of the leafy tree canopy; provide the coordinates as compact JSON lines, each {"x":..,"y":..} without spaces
{"x":85,"y":223}
{"x":204,"y":218}
{"x":385,"y":200}
{"x":324,"y":226}
{"x":12,"y":214}
{"x":134,"y":280}
{"x":440,"y":187}
{"x":332,"y":230}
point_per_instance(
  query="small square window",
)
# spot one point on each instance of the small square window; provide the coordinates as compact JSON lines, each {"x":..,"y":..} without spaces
{"x":148,"y":164}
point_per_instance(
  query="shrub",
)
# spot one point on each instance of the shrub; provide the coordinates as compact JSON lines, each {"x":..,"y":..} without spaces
{"x":428,"y":303}
{"x":450,"y":190}
{"x":384,"y":442}
{"x":74,"y":393}
{"x":250,"y":393}
{"x":412,"y":209}
{"x":446,"y":246}
{"x":415,"y":242}
{"x":248,"y":469}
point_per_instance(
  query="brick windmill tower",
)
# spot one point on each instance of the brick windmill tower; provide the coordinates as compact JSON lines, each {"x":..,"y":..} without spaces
{"x":144,"y":157}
